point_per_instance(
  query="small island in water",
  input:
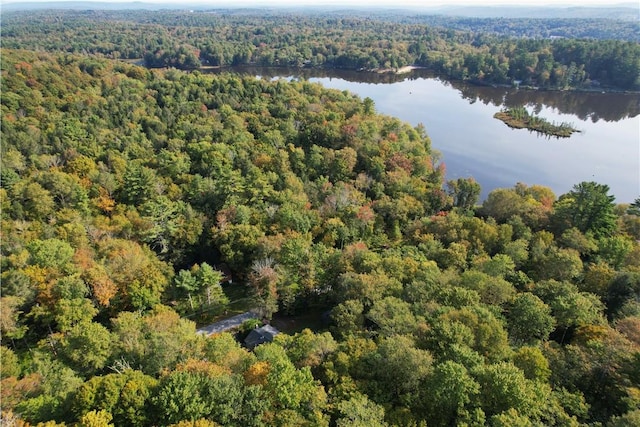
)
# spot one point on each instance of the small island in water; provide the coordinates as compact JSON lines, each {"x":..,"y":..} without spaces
{"x":519,"y":118}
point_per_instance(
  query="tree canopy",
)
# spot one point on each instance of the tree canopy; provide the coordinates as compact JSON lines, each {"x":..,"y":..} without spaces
{"x":138,"y":204}
{"x":549,"y":53}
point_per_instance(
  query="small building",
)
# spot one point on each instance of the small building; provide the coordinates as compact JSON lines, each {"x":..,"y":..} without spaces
{"x":260,"y":335}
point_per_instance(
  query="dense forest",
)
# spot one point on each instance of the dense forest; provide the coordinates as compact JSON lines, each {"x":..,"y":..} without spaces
{"x":559,"y":54}
{"x":124,"y":188}
{"x":129,"y":193}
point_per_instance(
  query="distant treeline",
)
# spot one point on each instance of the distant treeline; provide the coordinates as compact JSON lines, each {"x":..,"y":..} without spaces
{"x":495,"y":51}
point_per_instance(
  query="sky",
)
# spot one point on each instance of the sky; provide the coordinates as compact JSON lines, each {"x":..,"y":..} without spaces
{"x":395,"y":3}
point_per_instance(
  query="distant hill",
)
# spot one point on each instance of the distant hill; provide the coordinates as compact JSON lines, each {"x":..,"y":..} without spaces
{"x":622,"y":11}
{"x":88,"y":5}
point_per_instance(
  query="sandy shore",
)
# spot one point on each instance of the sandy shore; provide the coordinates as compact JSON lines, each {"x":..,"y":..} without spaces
{"x":401,"y":70}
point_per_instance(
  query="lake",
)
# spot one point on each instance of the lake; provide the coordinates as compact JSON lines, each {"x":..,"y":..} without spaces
{"x":459,"y":120}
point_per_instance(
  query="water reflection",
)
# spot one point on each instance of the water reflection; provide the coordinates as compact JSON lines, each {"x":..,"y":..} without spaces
{"x":592,"y":106}
{"x":312,"y":73}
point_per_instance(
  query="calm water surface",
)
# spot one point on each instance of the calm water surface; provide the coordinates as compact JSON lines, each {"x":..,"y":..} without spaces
{"x":459,"y":120}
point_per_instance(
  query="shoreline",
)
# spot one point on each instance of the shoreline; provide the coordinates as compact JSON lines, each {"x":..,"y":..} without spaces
{"x":399,"y":71}
{"x":402,"y":70}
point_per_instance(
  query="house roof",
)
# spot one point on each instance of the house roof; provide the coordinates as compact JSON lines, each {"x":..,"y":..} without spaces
{"x":260,"y":335}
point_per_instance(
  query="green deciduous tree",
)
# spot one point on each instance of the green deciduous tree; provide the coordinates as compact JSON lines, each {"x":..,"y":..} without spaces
{"x":532,"y":362}
{"x":291,"y":391}
{"x":492,"y":290}
{"x":529,"y":319}
{"x":450,"y":391}
{"x":392,"y":316}
{"x":87,"y":347}
{"x":465,"y":192}
{"x":503,"y":387}
{"x":631,"y":418}
{"x":72,"y":312}
{"x":489,"y":335}
{"x":614,"y":250}
{"x":182,"y":396}
{"x":154,"y":341}
{"x":55,"y":383}
{"x":396,"y":371}
{"x":573,"y":238}
{"x":224,"y":350}
{"x":99,"y":418}
{"x":126,"y":396}
{"x":139,"y":276}
{"x":10,"y":366}
{"x":569,"y":306}
{"x":347,"y":318}
{"x":359,"y":411}
{"x":66,"y":190}
{"x":555,"y":263}
{"x":367,"y":288}
{"x":35,"y":202}
{"x":50,"y":253}
{"x":307,"y":348}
